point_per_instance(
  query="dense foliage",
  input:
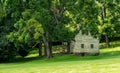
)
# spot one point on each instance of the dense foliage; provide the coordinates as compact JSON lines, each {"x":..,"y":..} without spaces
{"x":25,"y":23}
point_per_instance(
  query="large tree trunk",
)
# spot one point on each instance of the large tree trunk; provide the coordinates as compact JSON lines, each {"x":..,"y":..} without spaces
{"x":68,"y":47}
{"x":107,"y":41}
{"x":48,"y":48}
{"x":103,"y":18}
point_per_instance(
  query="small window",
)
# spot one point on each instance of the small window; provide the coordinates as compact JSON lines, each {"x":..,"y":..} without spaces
{"x":92,"y":45}
{"x":82,"y":45}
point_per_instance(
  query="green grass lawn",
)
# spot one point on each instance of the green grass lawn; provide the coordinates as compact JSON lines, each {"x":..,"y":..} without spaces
{"x":107,"y":62}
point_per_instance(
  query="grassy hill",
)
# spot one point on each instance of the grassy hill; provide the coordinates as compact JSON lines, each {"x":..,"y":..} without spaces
{"x":107,"y":62}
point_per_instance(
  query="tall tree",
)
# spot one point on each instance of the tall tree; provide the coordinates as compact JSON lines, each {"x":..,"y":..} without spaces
{"x":109,"y":12}
{"x":45,"y":13}
{"x":54,"y":21}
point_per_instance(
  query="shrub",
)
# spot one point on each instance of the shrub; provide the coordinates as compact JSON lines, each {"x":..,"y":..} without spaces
{"x":7,"y":52}
{"x":23,"y":52}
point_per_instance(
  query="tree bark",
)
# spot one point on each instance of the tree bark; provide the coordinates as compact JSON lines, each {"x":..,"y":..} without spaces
{"x":68,"y":47}
{"x":40,"y":49}
{"x":107,"y":41}
{"x":48,"y":48}
{"x":45,"y":54}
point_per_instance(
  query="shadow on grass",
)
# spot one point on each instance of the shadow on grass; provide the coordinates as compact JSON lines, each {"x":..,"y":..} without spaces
{"x":67,"y":58}
{"x":71,"y":57}
{"x":23,"y":60}
{"x":26,"y":59}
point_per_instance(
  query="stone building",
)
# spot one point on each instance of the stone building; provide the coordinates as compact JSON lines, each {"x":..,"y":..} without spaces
{"x":84,"y":45}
